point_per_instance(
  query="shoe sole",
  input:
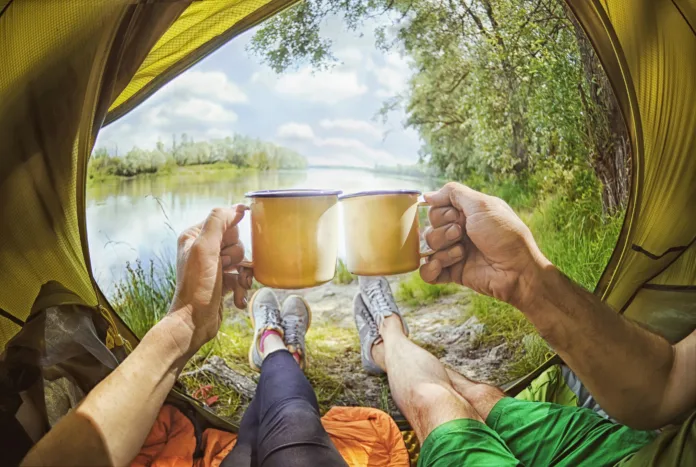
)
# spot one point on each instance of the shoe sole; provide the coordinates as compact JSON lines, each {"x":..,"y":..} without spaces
{"x":309,"y":320}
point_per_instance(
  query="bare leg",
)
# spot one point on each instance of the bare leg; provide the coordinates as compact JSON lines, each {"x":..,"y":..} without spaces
{"x":272,"y":343}
{"x":418,"y":381}
{"x":481,"y":396}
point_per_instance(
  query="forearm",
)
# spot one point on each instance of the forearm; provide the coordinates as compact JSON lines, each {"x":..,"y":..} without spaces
{"x":111,"y":423}
{"x":626,"y":368}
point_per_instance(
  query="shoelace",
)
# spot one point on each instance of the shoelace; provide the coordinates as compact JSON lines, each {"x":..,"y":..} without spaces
{"x":374,"y":330}
{"x":377,"y":295}
{"x":292,"y":333}
{"x":272,"y":317}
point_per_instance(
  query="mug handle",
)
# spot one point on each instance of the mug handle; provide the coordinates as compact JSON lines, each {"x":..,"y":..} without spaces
{"x":246,"y":263}
{"x":429,"y":251}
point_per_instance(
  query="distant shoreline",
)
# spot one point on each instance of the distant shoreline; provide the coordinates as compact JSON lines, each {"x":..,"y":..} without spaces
{"x":400,"y":171}
{"x":221,"y":168}
{"x":176,"y":171}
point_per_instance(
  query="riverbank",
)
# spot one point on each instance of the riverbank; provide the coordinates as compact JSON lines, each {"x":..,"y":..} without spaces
{"x":228,"y":169}
{"x":215,"y":171}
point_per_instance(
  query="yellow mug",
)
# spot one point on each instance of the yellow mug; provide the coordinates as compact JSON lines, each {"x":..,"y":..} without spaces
{"x":381,"y":232}
{"x":294,"y":237}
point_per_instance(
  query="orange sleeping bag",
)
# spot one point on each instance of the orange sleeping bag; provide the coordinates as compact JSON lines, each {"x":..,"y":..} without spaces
{"x":364,"y":437}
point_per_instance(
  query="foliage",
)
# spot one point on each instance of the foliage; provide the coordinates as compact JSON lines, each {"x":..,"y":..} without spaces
{"x":239,"y":151}
{"x":574,"y":233}
{"x":143,"y":296}
{"x":500,"y":88}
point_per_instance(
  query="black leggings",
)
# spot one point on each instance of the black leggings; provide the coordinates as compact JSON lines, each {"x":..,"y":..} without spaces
{"x":281,"y":427}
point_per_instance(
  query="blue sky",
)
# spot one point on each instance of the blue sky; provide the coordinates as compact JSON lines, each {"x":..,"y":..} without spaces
{"x":329,"y":116}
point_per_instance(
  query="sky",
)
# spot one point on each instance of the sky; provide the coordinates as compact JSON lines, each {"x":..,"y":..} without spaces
{"x":328,"y":116}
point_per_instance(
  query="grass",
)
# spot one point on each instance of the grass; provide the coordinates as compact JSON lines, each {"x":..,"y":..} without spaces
{"x":414,"y":291}
{"x":579,"y":241}
{"x":329,"y":349}
{"x":324,"y":344}
{"x":342,"y":275}
{"x":143,"y":296}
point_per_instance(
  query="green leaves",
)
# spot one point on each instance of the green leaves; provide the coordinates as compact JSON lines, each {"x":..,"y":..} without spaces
{"x":502,"y":88}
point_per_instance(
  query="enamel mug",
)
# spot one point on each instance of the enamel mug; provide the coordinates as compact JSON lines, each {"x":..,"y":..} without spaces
{"x":294,"y":237}
{"x":382,"y":232}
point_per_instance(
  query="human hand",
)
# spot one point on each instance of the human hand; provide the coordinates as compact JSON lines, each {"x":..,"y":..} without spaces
{"x":207,"y":255}
{"x":480,"y":243}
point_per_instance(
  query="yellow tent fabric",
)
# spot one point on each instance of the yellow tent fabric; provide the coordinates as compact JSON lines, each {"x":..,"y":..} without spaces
{"x":65,"y":68}
{"x":202,"y":27}
{"x":648,"y":49}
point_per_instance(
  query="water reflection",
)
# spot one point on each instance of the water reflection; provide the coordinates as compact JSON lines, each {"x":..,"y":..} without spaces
{"x":140,"y":218}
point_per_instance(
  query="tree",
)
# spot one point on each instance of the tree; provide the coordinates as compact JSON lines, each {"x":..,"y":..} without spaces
{"x":238,"y":150}
{"x":500,"y":87}
{"x":607,"y":135}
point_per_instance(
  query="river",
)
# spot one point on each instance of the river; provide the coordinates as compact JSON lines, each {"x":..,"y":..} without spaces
{"x":140,"y":218}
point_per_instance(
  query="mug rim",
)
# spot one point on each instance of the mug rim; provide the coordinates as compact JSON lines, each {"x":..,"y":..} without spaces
{"x":380,"y":192}
{"x":291,"y":193}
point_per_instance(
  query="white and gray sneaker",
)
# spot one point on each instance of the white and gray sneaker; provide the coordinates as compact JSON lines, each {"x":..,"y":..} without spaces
{"x":368,"y":333}
{"x":377,"y":295}
{"x":264,"y":311}
{"x":296,"y":317}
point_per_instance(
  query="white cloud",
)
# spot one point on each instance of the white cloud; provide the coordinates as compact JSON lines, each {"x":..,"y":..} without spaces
{"x":297,"y":131}
{"x":197,"y":103}
{"x":327,"y":87}
{"x":350,"y":55}
{"x":347,"y":124}
{"x":337,"y":150}
{"x":194,"y":109}
{"x":205,"y":84}
{"x":393,"y":76}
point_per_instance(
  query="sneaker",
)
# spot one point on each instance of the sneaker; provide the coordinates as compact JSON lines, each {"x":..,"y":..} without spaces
{"x":295,"y":317}
{"x":264,"y":311}
{"x":368,"y":333}
{"x":378,"y":298}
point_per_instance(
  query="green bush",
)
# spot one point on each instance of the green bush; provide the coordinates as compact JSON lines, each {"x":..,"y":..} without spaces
{"x":574,"y":233}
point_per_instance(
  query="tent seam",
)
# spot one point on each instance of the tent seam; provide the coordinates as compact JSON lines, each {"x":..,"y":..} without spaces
{"x":654,"y":256}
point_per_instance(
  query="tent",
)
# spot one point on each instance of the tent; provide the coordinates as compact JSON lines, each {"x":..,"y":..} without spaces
{"x":67,"y":68}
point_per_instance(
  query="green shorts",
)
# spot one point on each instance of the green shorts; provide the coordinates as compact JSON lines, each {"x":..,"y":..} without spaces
{"x":532,"y":433}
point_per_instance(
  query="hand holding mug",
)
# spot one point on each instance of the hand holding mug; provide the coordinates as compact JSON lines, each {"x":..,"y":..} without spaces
{"x":481,"y":244}
{"x":206,"y":254}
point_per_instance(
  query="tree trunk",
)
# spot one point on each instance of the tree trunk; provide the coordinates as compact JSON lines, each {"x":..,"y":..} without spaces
{"x":519,"y":146}
{"x":609,"y":147}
